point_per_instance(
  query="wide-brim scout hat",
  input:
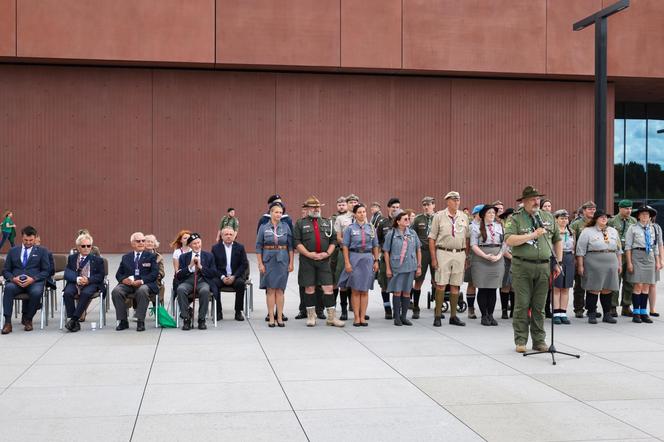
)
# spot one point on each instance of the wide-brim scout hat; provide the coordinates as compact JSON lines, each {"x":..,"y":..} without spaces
{"x":650,"y":210}
{"x":588,"y":205}
{"x":506,"y":213}
{"x":600,"y":212}
{"x":486,"y":208}
{"x":193,"y":237}
{"x":477,"y":209}
{"x":453,"y":194}
{"x":312,"y":201}
{"x":529,"y":192}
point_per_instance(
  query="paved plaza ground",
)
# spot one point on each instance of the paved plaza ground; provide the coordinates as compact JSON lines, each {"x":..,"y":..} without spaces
{"x":244,"y":381}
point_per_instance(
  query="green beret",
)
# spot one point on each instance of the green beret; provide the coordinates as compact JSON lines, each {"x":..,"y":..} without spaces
{"x":625,"y":203}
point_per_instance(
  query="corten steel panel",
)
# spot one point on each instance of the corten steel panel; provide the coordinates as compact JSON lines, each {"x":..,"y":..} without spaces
{"x":287,"y":32}
{"x":636,"y":39}
{"x":371,"y":33}
{"x":376,"y":137}
{"x":475,"y":35}
{"x":567,"y":51}
{"x":213,"y":149}
{"x":7,"y":28}
{"x":133,"y":30}
{"x":76,"y":145}
{"x":509,"y":134}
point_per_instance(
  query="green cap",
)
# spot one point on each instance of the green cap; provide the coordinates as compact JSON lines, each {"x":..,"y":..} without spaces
{"x":625,"y":203}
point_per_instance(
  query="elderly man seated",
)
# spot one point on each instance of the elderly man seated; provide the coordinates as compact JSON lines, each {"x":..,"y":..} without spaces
{"x":137,"y":278}
{"x":231,"y":260}
{"x":26,"y":269}
{"x":197,"y":274}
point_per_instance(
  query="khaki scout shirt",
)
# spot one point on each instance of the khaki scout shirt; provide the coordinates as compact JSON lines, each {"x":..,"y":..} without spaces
{"x":442,"y":227}
{"x":621,"y":225}
{"x":522,"y":223}
{"x":303,"y":233}
{"x":342,"y":221}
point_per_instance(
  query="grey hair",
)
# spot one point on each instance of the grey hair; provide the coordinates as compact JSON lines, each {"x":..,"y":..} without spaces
{"x":228,"y":228}
{"x":133,"y":235}
{"x":154,"y":238}
{"x":82,"y":237}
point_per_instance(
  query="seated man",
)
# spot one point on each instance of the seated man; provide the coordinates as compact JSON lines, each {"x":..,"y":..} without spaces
{"x":137,"y":278}
{"x":197,"y":274}
{"x":50,"y":282}
{"x":26,"y":270}
{"x":231,"y":261}
{"x":85,"y":276}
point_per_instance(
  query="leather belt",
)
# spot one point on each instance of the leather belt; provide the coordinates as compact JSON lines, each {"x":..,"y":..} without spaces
{"x":568,"y":253}
{"x":275,"y":247}
{"x":488,"y":245}
{"x":360,"y":250}
{"x":533,"y":261}
{"x":601,"y":251}
{"x":639,"y":248}
{"x":450,"y":250}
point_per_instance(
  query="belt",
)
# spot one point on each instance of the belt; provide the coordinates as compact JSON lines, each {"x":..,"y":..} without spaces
{"x":568,"y":253}
{"x":601,"y":251}
{"x":450,"y":250}
{"x":488,"y":245}
{"x":639,"y":248}
{"x":533,"y":261}
{"x":275,"y":247}
{"x":360,"y":250}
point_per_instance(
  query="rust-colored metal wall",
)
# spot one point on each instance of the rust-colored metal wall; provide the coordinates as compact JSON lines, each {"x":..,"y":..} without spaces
{"x":7,"y":28}
{"x":118,"y":150}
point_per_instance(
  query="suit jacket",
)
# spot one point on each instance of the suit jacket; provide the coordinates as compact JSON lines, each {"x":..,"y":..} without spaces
{"x":209,"y":271}
{"x":239,"y":262}
{"x":96,"y":270}
{"x":148,"y":269}
{"x":37,"y":267}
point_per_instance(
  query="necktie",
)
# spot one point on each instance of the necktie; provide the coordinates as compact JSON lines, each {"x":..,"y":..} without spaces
{"x":404,"y":247}
{"x":453,"y":220}
{"x":80,"y":262}
{"x":138,"y":256}
{"x":648,"y":238}
{"x":317,"y":234}
{"x":491,"y":232}
{"x":364,"y":240}
{"x":25,"y":257}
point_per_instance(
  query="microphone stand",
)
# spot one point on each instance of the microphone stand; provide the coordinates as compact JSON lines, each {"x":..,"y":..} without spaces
{"x":552,"y":348}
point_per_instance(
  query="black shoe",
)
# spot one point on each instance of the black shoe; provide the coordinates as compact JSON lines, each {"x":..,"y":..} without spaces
{"x":416,"y":314}
{"x":366,"y":318}
{"x":548,"y":315}
{"x":654,"y":314}
{"x":187,"y":324}
{"x":272,"y":324}
{"x":609,"y":319}
{"x":201,"y":324}
{"x":124,"y":324}
{"x":614,"y":312}
{"x":283,"y":317}
{"x":364,"y":324}
{"x":485,"y":321}
{"x":239,"y":316}
{"x":281,"y":324}
{"x":646,"y":319}
{"x":504,"y":316}
{"x":454,"y":320}
{"x":636,"y":319}
{"x":592,"y":318}
{"x":267,"y":318}
{"x":220,"y":315}
{"x":405,"y":321}
{"x":73,"y":325}
{"x":578,"y":314}
{"x":140,"y":326}
{"x":388,"y":313}
{"x":436,"y":321}
{"x":300,"y":315}
{"x":492,"y":321}
{"x":319,"y":315}
{"x":357,"y":324}
{"x":343,"y":316}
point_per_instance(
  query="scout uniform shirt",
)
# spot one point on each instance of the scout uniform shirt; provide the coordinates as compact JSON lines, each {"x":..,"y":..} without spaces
{"x":384,"y":227}
{"x":422,"y":226}
{"x":342,"y":221}
{"x":450,"y":232}
{"x":636,"y":238}
{"x":315,"y":234}
{"x":621,"y":225}
{"x":592,"y":239}
{"x":522,"y":223}
{"x":577,"y":226}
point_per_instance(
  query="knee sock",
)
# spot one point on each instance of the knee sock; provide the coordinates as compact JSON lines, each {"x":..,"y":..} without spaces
{"x":470,"y":299}
{"x":303,"y":305}
{"x":335,"y":292}
{"x":310,"y":300}
{"x":605,"y":300}
{"x":329,"y":301}
{"x":504,"y":300}
{"x":405,"y":302}
{"x":396,"y":303}
{"x":415,"y":294}
{"x":636,"y":300}
{"x":482,"y":301}
{"x":344,"y":299}
{"x":454,"y":302}
{"x":386,"y":300}
{"x":491,"y":305}
{"x":591,"y":302}
{"x":440,"y":296}
{"x":644,"y":304}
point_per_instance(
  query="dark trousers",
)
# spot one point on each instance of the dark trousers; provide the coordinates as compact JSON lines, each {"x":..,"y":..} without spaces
{"x":34,"y":291}
{"x":122,"y":292}
{"x":69,"y":296}
{"x":5,"y":237}
{"x":186,"y":289}
{"x":239,"y":285}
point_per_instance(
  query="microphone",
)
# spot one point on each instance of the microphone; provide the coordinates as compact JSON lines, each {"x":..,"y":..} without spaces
{"x":538,"y":220}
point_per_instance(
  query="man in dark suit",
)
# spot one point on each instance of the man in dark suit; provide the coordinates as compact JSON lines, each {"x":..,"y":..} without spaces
{"x":85,"y":276}
{"x":197,"y":272}
{"x":137,"y":278}
{"x":26,"y":270}
{"x":231,"y":261}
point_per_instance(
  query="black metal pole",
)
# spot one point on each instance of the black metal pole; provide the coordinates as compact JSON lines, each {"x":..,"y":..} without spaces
{"x":600,"y":111}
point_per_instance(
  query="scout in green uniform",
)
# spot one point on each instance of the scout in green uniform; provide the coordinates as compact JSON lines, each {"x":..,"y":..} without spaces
{"x":230,"y":220}
{"x":422,"y":226}
{"x":621,"y":223}
{"x":588,"y":209}
{"x":342,"y":210}
{"x":315,"y":241}
{"x":531,"y":264}
{"x":384,"y":227}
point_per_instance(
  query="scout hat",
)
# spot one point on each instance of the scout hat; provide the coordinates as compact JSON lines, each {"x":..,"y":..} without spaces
{"x":588,"y":205}
{"x":312,"y":201}
{"x":486,"y":208}
{"x":477,"y":209}
{"x":600,"y":212}
{"x":529,"y":192}
{"x":193,"y":237}
{"x":428,"y":200}
{"x":648,"y":209}
{"x":625,"y":203}
{"x":560,"y":212}
{"x":506,"y":213}
{"x":352,"y":197}
{"x":452,"y":194}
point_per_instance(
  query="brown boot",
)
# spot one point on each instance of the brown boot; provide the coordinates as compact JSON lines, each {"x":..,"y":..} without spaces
{"x":311,"y":316}
{"x":7,"y":328}
{"x":331,"y":318}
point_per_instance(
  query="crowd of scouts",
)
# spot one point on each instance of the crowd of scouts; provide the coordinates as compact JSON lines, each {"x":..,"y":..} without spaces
{"x":532,"y":256}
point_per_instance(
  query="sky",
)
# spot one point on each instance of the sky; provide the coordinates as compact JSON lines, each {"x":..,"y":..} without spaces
{"x":635,"y":134}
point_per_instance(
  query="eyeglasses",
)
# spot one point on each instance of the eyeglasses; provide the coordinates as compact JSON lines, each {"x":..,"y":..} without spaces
{"x":85,"y":246}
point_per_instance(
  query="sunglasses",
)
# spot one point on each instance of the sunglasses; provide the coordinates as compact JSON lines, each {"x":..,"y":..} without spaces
{"x":85,"y":246}
{"x":139,"y":240}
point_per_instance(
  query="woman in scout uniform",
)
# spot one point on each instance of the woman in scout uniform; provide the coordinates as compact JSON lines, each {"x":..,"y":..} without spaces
{"x":488,"y":268}
{"x":360,"y":253}
{"x":642,"y":261}
{"x":565,"y":280}
{"x":598,"y":262}
{"x":467,"y":274}
{"x":652,"y":294}
{"x":506,"y":292}
{"x":274,"y":252}
{"x":403,"y":261}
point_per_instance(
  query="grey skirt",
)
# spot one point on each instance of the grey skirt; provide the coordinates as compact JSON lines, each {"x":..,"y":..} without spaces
{"x":485,"y":274}
{"x":600,"y":272}
{"x":362,"y":276}
{"x":507,"y":277}
{"x":401,"y":282}
{"x":644,"y":268}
